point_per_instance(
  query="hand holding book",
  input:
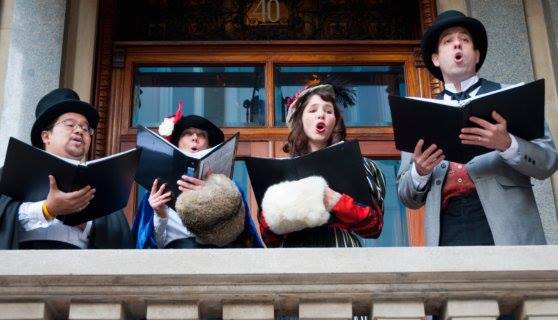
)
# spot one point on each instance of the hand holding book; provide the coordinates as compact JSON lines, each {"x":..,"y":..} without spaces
{"x":426,"y":161}
{"x":59,"y":203}
{"x":489,"y":135}
{"x":187,"y":183}
{"x":158,"y":198}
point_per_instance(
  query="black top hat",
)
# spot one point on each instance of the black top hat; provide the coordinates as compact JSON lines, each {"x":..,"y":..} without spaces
{"x":56,"y":103}
{"x":215,"y":135}
{"x":445,"y":20}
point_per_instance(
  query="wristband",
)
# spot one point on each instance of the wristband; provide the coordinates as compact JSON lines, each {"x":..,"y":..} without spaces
{"x":46,"y":213}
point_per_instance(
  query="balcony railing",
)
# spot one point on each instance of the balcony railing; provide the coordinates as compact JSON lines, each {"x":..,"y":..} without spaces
{"x":379,"y":283}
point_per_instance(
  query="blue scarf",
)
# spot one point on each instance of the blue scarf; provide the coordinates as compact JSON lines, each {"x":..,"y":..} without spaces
{"x":143,"y":229}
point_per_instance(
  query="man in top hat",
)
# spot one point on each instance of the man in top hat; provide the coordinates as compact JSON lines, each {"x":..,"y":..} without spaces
{"x":63,"y":127}
{"x":489,"y":200}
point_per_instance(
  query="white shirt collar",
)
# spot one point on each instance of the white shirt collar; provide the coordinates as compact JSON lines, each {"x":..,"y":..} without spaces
{"x":464,"y":84}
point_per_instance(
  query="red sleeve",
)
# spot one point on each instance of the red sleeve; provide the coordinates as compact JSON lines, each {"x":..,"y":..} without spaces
{"x":364,"y":220}
{"x":271,"y":239}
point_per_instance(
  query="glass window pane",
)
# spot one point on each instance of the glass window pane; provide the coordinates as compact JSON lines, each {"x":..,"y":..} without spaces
{"x":394,"y":233}
{"x":228,"y":96}
{"x":371,"y":84}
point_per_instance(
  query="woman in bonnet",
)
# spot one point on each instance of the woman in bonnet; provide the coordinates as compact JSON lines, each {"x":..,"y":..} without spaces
{"x":318,"y":216}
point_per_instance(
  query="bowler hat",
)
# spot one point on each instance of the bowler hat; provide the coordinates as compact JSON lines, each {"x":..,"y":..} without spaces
{"x":215,"y":135}
{"x":56,"y":103}
{"x":445,"y":20}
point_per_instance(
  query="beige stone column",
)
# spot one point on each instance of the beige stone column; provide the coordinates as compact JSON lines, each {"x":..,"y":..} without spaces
{"x":248,"y":311}
{"x":172,"y":311}
{"x":325,"y":310}
{"x":445,"y":5}
{"x":398,"y":310}
{"x":471,"y":310}
{"x":6,"y":16}
{"x":543,"y":67}
{"x":24,"y":310}
{"x":79,"y":47}
{"x":538,"y":309}
{"x":96,"y":311}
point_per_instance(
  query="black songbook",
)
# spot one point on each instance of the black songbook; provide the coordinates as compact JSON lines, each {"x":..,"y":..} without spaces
{"x":341,"y":165}
{"x":26,"y":170}
{"x":162,"y":160}
{"x":440,"y":122}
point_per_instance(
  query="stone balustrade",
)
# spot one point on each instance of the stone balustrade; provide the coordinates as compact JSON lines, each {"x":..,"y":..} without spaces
{"x":375,"y":283}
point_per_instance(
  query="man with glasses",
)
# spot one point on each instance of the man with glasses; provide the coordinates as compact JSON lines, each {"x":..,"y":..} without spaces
{"x":64,"y":127}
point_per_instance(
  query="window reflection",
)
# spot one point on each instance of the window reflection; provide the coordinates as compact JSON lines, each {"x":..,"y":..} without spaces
{"x":372,"y":85}
{"x":228,"y":96}
{"x":394,"y":232}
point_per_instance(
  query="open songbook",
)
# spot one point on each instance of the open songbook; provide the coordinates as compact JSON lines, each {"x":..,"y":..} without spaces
{"x":341,"y":165}
{"x":26,"y":170}
{"x":440,"y":122}
{"x":162,"y":160}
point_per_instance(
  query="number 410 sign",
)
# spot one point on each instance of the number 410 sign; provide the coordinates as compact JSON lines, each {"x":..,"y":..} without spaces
{"x":265,"y":12}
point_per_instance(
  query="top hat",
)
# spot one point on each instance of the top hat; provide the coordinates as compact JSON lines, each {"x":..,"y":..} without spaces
{"x":445,"y":20}
{"x":56,"y":103}
{"x":214,"y":134}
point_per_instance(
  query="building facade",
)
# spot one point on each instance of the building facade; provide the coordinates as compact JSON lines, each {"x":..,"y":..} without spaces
{"x":236,"y":62}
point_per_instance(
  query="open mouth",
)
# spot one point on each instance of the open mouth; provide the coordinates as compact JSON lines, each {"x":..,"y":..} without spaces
{"x":320,"y":127}
{"x":77,"y":140}
{"x":458,"y":57}
{"x":194,"y":149}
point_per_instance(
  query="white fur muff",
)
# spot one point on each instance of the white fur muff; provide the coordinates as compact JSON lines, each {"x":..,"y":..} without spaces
{"x":295,"y":205}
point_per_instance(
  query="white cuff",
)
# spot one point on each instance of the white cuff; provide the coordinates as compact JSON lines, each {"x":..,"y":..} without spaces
{"x":158,"y":221}
{"x":511,"y":155}
{"x":295,"y":205}
{"x":30,"y":216}
{"x":419,"y":181}
{"x":160,"y":226}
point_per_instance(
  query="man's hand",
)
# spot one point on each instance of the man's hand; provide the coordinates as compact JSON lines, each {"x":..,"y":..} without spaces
{"x":491,"y":136}
{"x":63,"y":203}
{"x":426,"y":161}
{"x":187,"y":183}
{"x":158,"y":199}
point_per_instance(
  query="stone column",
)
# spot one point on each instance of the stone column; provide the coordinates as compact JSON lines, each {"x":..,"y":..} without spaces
{"x":471,"y":310}
{"x":79,"y":47}
{"x":24,"y":310}
{"x":325,"y":310}
{"x":248,"y":311}
{"x":33,"y":64}
{"x":445,"y":5}
{"x":398,"y":310}
{"x":96,"y":311}
{"x":544,"y":64}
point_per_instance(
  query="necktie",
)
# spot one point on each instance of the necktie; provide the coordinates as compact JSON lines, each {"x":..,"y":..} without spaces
{"x":463,"y":94}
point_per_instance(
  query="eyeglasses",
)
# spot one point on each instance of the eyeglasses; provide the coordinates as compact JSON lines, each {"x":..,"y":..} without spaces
{"x":71,"y":124}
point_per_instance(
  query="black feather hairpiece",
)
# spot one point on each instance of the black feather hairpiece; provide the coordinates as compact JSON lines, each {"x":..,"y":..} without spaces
{"x":344,"y":95}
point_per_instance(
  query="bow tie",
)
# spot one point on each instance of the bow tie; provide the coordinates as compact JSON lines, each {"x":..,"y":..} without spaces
{"x":463,"y":94}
